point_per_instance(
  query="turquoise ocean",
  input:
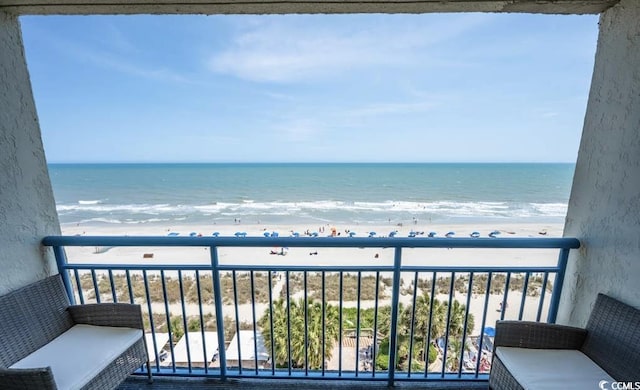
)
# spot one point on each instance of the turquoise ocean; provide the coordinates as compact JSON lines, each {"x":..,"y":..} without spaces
{"x":310,"y":193}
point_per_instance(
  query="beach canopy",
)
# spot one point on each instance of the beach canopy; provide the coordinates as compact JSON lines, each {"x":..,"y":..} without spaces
{"x":240,"y":234}
{"x":172,"y":234}
{"x":216,"y":234}
{"x":267,"y":234}
{"x":193,"y":234}
{"x":475,"y":234}
{"x":494,"y":233}
{"x":351,"y":234}
{"x":161,"y":340}
{"x":490,"y":331}
{"x":295,"y":234}
{"x":371,"y":234}
{"x":393,"y":233}
{"x":450,"y":234}
{"x":432,"y":234}
{"x":196,"y":348}
{"x":248,"y":348}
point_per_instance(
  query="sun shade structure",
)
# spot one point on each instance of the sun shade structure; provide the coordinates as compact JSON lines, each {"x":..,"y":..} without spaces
{"x":195,"y":350}
{"x":247,"y":352}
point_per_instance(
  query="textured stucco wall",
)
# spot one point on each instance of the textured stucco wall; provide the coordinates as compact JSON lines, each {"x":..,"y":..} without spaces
{"x":27,"y":207}
{"x":604,"y":209}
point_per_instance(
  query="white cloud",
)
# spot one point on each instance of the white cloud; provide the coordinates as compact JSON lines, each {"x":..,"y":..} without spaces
{"x":297,"y":49}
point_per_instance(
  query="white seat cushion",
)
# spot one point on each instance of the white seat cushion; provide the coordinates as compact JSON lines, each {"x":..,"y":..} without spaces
{"x":79,"y":354}
{"x":541,"y":369}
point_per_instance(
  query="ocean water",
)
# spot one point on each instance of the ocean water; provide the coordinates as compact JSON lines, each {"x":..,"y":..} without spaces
{"x":309,"y":193}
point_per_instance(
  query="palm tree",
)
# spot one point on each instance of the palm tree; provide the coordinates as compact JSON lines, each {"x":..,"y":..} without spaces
{"x":438,"y":319}
{"x":279,"y":332}
{"x":303,"y":348}
{"x":384,"y":319}
{"x":456,"y":320}
{"x":421,"y":322}
{"x":454,"y":353}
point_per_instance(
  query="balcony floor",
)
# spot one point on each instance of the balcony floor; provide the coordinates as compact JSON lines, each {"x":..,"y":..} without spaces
{"x":136,"y":383}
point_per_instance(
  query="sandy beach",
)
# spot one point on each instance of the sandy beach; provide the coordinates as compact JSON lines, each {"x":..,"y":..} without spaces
{"x":321,"y":256}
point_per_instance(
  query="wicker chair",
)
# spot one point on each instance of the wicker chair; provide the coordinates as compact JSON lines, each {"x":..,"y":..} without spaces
{"x":32,"y":317}
{"x":611,"y":340}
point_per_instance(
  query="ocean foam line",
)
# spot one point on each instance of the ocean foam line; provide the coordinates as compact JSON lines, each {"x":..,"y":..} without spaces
{"x":85,"y":202}
{"x":319,"y":208}
{"x":104,"y":220}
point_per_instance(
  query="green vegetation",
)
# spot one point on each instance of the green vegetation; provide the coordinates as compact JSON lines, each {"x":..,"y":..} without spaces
{"x":332,"y":286}
{"x":479,"y":284}
{"x":423,"y":330}
{"x":171,"y":287}
{"x":313,"y":341}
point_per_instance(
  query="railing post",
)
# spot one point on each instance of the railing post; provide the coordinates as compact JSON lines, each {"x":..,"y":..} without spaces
{"x":61,"y":260}
{"x":217,"y":294}
{"x":563,"y":259}
{"x":395,"y":299}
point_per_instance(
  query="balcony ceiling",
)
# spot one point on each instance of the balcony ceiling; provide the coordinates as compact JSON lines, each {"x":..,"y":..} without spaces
{"x":79,"y":7}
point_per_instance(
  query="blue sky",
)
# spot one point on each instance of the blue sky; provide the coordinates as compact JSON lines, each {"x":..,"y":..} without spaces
{"x":307,"y":88}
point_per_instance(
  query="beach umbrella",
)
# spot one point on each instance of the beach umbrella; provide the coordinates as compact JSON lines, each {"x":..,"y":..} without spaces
{"x":432,"y":234}
{"x":371,"y":234}
{"x":490,"y":331}
{"x":193,"y":234}
{"x":494,"y":233}
{"x":216,"y":234}
{"x":393,"y":233}
{"x":351,"y":234}
{"x":475,"y":234}
{"x":450,"y":234}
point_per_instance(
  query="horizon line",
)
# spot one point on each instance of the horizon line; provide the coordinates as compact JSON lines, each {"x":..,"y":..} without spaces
{"x":299,"y":162}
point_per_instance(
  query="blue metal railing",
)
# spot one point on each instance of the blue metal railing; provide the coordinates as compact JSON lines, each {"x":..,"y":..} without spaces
{"x":404,"y":336}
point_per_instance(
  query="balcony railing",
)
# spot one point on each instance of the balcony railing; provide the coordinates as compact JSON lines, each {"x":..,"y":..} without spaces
{"x":403,"y":314}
